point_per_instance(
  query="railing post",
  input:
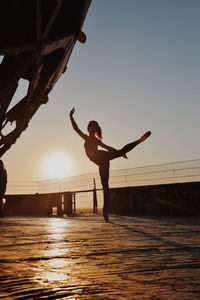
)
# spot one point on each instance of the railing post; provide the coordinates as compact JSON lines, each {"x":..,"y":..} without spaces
{"x":74,"y":203}
{"x":95,"y":204}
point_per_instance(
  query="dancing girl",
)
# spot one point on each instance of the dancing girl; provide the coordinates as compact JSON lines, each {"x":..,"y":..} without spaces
{"x":101,"y":157}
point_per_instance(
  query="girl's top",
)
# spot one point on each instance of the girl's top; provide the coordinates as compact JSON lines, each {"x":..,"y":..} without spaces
{"x":91,"y":147}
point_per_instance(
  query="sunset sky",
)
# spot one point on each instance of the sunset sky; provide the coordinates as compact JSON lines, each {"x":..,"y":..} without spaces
{"x":139,"y":70}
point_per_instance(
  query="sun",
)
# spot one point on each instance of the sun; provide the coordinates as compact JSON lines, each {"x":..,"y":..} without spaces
{"x":58,"y":165}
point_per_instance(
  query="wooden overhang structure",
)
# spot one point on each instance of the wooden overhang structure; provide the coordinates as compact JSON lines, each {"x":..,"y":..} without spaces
{"x":36,"y":40}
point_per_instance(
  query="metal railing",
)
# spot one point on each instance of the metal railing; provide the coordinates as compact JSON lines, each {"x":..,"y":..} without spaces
{"x":176,"y":172}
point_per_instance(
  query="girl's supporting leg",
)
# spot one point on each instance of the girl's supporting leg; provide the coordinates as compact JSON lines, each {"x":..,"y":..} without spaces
{"x":102,"y":160}
{"x":104,"y":174}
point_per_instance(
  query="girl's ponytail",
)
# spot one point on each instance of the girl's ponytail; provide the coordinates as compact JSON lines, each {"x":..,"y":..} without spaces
{"x":99,"y":132}
{"x":96,"y":128}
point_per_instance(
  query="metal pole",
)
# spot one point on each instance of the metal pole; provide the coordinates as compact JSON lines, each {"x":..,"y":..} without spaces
{"x":74,"y":203}
{"x":95,"y":204}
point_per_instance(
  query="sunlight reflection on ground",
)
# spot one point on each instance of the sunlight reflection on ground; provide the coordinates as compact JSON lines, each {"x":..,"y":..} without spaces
{"x":86,"y":258}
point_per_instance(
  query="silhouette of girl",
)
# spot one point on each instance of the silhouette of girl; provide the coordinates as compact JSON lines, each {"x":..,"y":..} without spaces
{"x":101,"y":157}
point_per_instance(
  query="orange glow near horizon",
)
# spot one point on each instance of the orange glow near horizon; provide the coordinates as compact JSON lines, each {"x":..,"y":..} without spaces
{"x":57,"y":165}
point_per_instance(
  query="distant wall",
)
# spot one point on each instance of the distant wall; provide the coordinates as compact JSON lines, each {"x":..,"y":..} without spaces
{"x":167,"y":199}
{"x":38,"y":204}
{"x":163,"y":200}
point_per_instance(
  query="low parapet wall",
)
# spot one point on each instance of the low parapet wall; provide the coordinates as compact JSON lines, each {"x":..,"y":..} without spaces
{"x":38,"y":204}
{"x":167,"y":200}
{"x":163,"y":200}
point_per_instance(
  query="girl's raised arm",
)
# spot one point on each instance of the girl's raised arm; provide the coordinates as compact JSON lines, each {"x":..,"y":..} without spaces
{"x":101,"y":144}
{"x":74,"y":125}
{"x":108,"y":147}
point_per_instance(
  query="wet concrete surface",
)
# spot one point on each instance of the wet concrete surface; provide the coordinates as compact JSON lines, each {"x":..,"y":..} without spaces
{"x":85,"y":258}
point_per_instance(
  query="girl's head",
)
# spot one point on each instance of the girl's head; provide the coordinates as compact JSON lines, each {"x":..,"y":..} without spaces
{"x":93,"y":127}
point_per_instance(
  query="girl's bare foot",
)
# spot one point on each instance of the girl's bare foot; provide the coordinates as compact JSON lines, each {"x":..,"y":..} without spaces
{"x":105,"y":215}
{"x":145,"y":136}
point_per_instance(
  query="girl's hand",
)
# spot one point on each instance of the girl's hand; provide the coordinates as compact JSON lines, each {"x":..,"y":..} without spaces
{"x":72,"y":112}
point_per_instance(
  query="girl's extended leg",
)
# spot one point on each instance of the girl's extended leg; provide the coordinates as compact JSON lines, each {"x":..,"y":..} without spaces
{"x":132,"y":145}
{"x":104,"y":174}
{"x":128,"y":147}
